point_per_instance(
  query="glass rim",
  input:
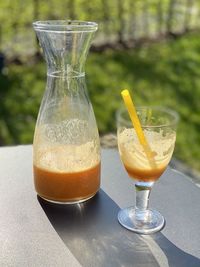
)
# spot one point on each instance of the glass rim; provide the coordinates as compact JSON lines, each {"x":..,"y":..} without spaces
{"x":65,"y":26}
{"x":173,"y":122}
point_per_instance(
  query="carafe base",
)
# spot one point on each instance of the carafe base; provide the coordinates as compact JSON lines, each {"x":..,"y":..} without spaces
{"x":68,"y":202}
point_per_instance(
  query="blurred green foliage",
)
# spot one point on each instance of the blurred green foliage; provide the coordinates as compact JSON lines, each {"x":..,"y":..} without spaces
{"x":119,"y":20}
{"x":158,"y":74}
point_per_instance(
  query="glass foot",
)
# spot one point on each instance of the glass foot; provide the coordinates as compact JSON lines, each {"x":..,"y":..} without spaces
{"x":152,"y":222}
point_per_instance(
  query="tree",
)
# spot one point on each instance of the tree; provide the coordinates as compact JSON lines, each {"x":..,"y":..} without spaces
{"x":35,"y":9}
{"x":159,"y":17}
{"x":71,"y":5}
{"x":187,"y":19}
{"x":170,"y":16}
{"x":105,"y":15}
{"x":120,"y":9}
{"x":35,"y":18}
{"x":145,"y":17}
{"x":132,"y":19}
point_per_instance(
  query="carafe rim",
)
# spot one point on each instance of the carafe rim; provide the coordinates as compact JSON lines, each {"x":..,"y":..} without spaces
{"x":65,"y":26}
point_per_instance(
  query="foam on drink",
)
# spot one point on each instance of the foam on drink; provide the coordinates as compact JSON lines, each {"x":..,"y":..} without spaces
{"x":134,"y":157}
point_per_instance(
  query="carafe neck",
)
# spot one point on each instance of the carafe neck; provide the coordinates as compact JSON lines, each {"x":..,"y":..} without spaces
{"x":65,"y":45}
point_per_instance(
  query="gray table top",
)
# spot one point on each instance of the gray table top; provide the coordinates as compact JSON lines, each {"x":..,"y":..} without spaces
{"x":35,"y":233}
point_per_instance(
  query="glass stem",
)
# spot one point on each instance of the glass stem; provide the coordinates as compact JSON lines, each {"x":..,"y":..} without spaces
{"x":143,"y":190}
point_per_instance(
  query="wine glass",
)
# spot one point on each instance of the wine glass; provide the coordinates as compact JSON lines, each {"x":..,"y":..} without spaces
{"x":159,"y":127}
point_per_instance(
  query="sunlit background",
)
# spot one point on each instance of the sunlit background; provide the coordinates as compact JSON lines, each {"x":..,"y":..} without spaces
{"x":151,"y":47}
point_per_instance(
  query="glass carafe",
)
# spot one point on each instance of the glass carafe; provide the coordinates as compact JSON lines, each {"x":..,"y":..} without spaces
{"x":66,"y":150}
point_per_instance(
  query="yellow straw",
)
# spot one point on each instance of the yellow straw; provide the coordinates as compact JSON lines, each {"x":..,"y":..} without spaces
{"x":136,"y":124}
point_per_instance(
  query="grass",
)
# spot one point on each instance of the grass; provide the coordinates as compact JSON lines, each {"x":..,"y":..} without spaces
{"x":159,"y":74}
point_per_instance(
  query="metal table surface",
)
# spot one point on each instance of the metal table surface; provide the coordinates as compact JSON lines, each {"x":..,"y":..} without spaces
{"x":35,"y":233}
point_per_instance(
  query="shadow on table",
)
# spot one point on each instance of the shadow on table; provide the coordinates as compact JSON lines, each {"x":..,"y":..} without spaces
{"x":167,"y":254}
{"x":92,"y":233}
